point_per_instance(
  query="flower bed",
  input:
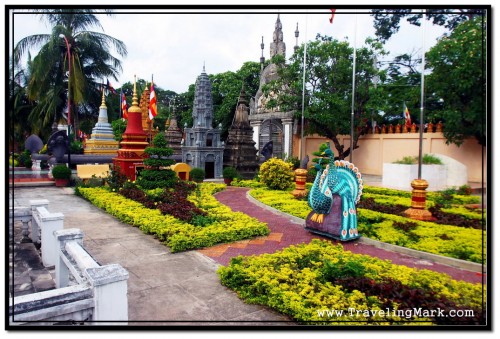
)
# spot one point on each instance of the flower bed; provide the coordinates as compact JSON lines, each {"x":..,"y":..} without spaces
{"x":225,"y":225}
{"x":320,"y":283}
{"x":447,"y":240}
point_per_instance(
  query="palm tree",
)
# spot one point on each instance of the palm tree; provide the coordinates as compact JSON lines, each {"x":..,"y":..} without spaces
{"x":19,"y":104}
{"x":90,"y":59}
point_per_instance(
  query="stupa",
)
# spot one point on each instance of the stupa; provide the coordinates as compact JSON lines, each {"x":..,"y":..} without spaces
{"x":202,"y":145}
{"x":240,"y":151}
{"x":102,"y":140}
{"x":130,"y":155}
{"x":173,"y":135}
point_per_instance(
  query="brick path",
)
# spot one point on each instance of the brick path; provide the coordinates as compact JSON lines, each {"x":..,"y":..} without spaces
{"x":285,"y":233}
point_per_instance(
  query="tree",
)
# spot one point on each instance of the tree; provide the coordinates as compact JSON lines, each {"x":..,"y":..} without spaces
{"x":19,"y":105}
{"x":226,"y":89}
{"x":91,"y":61}
{"x":387,"y":21}
{"x":157,"y":173}
{"x":458,"y":79}
{"x":328,"y":94}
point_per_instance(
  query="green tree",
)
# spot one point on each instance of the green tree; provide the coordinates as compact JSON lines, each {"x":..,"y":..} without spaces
{"x":328,"y":87}
{"x":458,"y":79}
{"x":156,"y":175}
{"x":226,"y":89}
{"x":91,"y":62}
{"x":387,"y":21}
{"x":19,"y":105}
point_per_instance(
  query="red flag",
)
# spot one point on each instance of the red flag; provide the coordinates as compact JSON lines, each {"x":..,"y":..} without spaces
{"x":124,"y":106}
{"x":333,"y":14}
{"x":407,"y":117}
{"x":152,"y":103}
{"x":110,"y":87}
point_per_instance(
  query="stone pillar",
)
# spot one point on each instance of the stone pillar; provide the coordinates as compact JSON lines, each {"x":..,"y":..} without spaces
{"x":62,"y":237}
{"x":418,"y":201}
{"x":35,"y":230}
{"x":110,"y":292}
{"x":287,"y":143}
{"x":49,"y":223}
{"x":256,"y":132}
{"x":300,"y":183}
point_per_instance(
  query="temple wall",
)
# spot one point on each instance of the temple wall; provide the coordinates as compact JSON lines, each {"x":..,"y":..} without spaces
{"x":376,"y":149}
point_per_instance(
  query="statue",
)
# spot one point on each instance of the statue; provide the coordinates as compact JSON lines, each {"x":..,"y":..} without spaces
{"x":267,"y":150}
{"x":333,"y":198}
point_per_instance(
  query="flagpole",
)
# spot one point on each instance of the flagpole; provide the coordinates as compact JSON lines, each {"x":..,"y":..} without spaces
{"x":353,"y":86}
{"x":421,"y":129}
{"x":303,"y":94}
{"x":120,"y":112}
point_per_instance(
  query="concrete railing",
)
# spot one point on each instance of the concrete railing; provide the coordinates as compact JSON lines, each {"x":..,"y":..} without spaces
{"x":96,"y":294}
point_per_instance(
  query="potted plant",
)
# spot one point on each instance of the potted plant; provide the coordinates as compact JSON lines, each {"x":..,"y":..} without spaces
{"x":61,"y":175}
{"x":229,"y":173}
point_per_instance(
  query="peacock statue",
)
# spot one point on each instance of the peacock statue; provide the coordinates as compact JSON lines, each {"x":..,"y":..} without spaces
{"x":342,"y":178}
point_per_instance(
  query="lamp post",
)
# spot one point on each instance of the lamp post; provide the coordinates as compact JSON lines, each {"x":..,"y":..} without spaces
{"x":69,"y":96}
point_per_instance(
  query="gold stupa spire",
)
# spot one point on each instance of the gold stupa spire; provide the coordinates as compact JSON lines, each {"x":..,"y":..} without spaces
{"x":103,"y":102}
{"x":135,"y":104}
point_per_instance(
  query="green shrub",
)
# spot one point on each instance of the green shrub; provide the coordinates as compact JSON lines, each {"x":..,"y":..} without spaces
{"x":219,"y":225}
{"x":427,"y":159}
{"x":61,"y":172}
{"x":116,"y":179}
{"x":13,"y":162}
{"x":76,"y":147}
{"x":464,"y":190}
{"x":276,"y":174}
{"x":295,"y":161}
{"x":304,"y":280}
{"x":119,"y":127}
{"x":197,"y":174}
{"x":229,"y":173}
{"x":25,"y":159}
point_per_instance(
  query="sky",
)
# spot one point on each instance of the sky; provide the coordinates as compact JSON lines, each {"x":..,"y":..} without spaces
{"x":174,"y":47}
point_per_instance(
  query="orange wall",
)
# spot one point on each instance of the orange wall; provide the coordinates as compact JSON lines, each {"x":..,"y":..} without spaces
{"x":376,"y":149}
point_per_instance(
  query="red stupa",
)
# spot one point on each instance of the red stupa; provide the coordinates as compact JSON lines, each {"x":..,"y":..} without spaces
{"x":130,"y":155}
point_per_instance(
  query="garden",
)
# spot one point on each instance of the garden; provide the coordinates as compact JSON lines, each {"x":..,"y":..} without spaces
{"x":319,"y":282}
{"x":458,"y":230}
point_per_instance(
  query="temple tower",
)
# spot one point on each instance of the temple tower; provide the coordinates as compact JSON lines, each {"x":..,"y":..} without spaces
{"x":271,"y":124}
{"x":202,"y":145}
{"x":130,"y":154}
{"x":102,"y":139}
{"x":278,"y":47}
{"x":239,"y":151}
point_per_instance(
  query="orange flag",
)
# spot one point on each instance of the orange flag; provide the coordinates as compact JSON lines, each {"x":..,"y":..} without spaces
{"x":152,"y":103}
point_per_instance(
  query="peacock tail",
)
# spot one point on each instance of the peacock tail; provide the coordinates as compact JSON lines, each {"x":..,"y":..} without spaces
{"x":349,"y":180}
